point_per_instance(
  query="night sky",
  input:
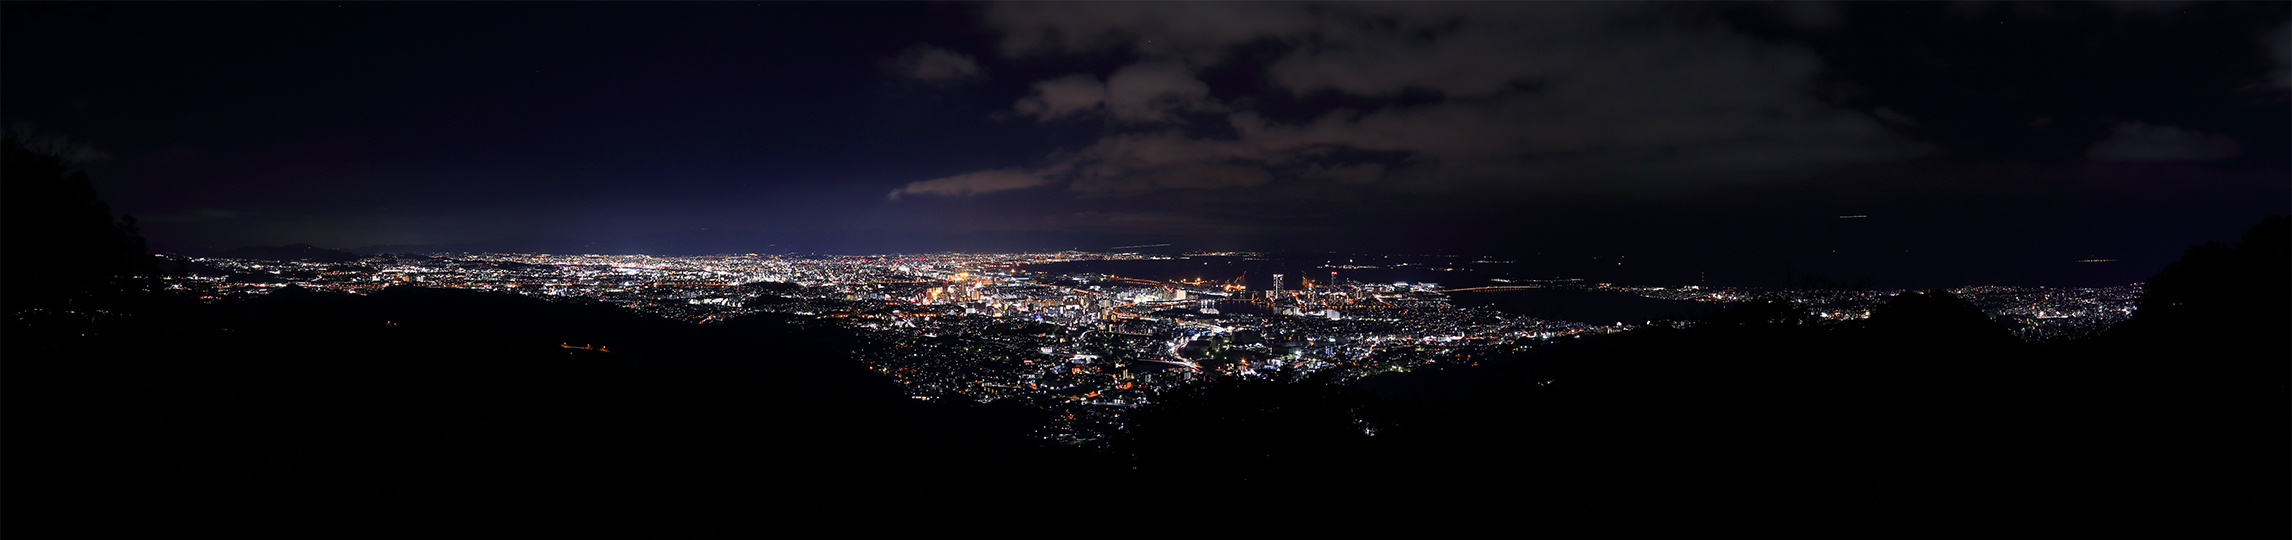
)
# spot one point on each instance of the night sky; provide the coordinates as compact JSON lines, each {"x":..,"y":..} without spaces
{"x":1986,"y":143}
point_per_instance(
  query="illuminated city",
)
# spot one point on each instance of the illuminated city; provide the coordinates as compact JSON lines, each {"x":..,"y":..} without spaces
{"x":746,"y":269}
{"x":1088,"y":347}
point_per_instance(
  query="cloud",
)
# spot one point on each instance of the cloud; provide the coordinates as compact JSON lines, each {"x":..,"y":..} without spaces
{"x":2279,"y":45}
{"x":54,"y":145}
{"x":1061,"y":97}
{"x":1561,"y":96}
{"x":2145,"y":7}
{"x":1196,"y":31}
{"x":1367,"y":173}
{"x":1146,"y":92}
{"x":1142,"y":162}
{"x":973,"y":183}
{"x":1462,"y":50}
{"x":1189,"y":174}
{"x":1154,"y":92}
{"x":1810,"y":15}
{"x":1892,"y":116}
{"x":936,"y":65}
{"x":2136,"y":141}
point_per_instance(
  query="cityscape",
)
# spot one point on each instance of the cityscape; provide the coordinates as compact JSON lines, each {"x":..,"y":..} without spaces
{"x":740,"y":269}
{"x":1089,"y":347}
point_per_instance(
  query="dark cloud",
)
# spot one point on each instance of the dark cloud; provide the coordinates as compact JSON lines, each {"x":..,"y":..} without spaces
{"x":1532,"y":96}
{"x":2278,"y":43}
{"x":73,"y":152}
{"x":1155,"y":92}
{"x":196,"y":215}
{"x":1810,"y":15}
{"x":1196,"y":31}
{"x":1144,"y":93}
{"x":970,"y":183}
{"x":936,"y":65}
{"x":2136,"y":141}
{"x":1062,"y":97}
{"x":1366,"y":173}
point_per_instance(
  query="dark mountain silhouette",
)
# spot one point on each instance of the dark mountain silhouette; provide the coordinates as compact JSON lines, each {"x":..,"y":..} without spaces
{"x":290,"y":252}
{"x":2216,"y":288}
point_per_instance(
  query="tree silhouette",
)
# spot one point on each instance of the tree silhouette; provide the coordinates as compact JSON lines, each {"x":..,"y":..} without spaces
{"x":2216,"y":287}
{"x":63,"y":249}
{"x":1936,"y":320}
